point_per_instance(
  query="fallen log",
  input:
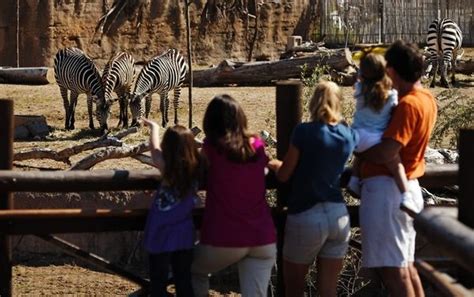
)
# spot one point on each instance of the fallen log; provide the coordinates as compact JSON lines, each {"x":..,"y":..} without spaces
{"x":110,"y":153}
{"x":24,"y":75}
{"x":465,"y":67}
{"x":267,"y":73}
{"x":64,"y":154}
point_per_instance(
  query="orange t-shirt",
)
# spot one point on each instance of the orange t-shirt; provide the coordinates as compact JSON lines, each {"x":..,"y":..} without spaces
{"x":411,"y":124}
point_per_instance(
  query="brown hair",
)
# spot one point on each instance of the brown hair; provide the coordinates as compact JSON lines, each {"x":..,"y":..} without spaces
{"x":182,"y":159}
{"x":375,"y":82}
{"x":325,"y":105}
{"x":225,"y":126}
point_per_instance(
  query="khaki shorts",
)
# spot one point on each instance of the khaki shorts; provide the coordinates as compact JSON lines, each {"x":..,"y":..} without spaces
{"x":321,"y":231}
{"x":388,"y":235}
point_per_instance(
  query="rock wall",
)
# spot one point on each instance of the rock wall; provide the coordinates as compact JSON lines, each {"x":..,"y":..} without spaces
{"x":146,"y":28}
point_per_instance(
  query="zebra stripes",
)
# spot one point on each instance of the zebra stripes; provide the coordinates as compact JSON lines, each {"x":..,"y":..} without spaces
{"x":118,"y":77}
{"x":76,"y":72}
{"x":160,"y":75}
{"x":444,"y":41}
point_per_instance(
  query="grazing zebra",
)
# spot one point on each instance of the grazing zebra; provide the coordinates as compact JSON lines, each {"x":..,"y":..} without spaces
{"x":160,"y":75}
{"x":444,"y":41}
{"x":76,"y":72}
{"x":118,"y":77}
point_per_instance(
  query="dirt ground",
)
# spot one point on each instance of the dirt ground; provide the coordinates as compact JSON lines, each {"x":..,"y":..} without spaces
{"x":37,"y":275}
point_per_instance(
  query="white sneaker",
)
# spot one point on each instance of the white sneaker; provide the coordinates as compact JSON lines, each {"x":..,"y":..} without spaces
{"x":353,"y":186}
{"x":408,"y":202}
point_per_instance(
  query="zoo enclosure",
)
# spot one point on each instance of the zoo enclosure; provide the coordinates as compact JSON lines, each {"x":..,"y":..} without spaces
{"x":43,"y":222}
{"x":384,"y":21}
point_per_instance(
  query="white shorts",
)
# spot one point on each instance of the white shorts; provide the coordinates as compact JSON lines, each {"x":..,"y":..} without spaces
{"x":388,"y":235}
{"x":367,"y":139}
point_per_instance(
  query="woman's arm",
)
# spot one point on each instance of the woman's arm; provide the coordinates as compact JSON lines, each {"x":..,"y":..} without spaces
{"x":284,"y":170}
{"x":156,"y":153}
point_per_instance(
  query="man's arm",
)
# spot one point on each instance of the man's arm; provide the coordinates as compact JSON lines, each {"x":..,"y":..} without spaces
{"x":383,"y":152}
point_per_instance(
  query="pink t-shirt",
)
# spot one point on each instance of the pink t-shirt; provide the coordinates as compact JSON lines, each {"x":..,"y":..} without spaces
{"x":236,"y":212}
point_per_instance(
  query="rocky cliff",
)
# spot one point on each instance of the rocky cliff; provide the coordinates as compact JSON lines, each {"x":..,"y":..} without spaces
{"x":220,"y":29}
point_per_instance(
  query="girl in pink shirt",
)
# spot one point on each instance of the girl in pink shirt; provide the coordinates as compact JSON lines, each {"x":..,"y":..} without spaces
{"x":237,"y":225}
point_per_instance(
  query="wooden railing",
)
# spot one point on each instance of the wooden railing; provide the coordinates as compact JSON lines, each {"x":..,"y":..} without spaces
{"x":43,"y":222}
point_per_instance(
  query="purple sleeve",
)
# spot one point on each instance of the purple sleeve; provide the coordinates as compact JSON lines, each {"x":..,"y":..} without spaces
{"x":259,"y":147}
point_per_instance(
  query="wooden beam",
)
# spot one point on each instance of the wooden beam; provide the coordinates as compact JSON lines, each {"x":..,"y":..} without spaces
{"x":446,"y":285}
{"x":436,"y":176}
{"x":6,"y":201}
{"x":78,"y":181}
{"x":453,"y":238}
{"x":288,"y":115}
{"x":466,"y":177}
{"x":48,"y":221}
{"x":95,"y":260}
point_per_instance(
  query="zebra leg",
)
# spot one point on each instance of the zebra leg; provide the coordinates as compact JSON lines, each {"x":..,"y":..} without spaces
{"x":121,"y":112}
{"x":124,"y":108}
{"x":444,"y":74}
{"x":89,"y":110}
{"x":66,"y":106}
{"x":72,"y":109}
{"x":164,"y":106}
{"x":147,"y":105}
{"x":162,"y":110}
{"x":177,"y":93}
{"x":453,"y":72}
{"x":434,"y":71}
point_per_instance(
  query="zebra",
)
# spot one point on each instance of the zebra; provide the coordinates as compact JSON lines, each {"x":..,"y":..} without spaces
{"x":118,"y":76}
{"x":444,"y":39}
{"x":161,"y":74}
{"x":76,"y":72}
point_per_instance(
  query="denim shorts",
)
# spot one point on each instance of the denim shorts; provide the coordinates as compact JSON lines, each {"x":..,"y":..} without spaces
{"x":321,"y":231}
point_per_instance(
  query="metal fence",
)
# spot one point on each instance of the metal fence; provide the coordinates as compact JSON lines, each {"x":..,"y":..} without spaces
{"x":384,"y":21}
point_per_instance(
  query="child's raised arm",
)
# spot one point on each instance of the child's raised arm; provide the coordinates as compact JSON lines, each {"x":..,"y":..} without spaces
{"x":156,"y":153}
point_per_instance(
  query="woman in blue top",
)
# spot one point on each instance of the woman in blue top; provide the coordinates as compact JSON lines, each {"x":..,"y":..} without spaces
{"x":169,"y":231}
{"x":318,"y":224}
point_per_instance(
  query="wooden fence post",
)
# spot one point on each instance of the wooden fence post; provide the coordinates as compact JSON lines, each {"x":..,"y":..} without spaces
{"x":466,"y":187}
{"x":466,"y":175}
{"x":6,"y":201}
{"x":288,"y":115}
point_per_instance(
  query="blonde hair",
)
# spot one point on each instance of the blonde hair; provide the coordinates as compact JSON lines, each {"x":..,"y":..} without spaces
{"x":325,"y":105}
{"x":375,"y":82}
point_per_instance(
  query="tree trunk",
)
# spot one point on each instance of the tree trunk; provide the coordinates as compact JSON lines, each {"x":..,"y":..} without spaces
{"x":24,"y":75}
{"x":267,"y":73}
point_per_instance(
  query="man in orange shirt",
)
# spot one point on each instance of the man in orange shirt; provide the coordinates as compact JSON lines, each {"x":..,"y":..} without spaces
{"x":388,"y":236}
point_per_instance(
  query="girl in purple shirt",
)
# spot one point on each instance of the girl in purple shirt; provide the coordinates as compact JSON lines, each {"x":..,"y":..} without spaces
{"x":237,"y":226}
{"x":169,"y":231}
